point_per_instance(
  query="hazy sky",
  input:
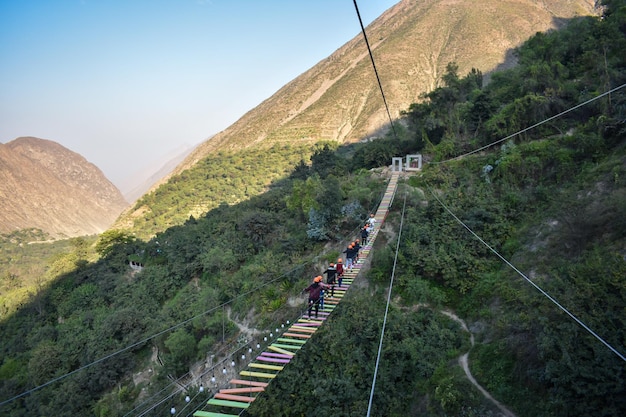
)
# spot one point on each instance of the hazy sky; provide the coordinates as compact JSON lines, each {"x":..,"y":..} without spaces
{"x":126,"y":82}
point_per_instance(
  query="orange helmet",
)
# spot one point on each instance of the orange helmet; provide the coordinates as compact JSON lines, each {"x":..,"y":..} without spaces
{"x":339,"y":261}
{"x":318,"y":278}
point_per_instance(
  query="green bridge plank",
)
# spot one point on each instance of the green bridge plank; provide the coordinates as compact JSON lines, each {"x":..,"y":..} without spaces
{"x":201,"y":413}
{"x":227,"y":403}
{"x":281,"y":345}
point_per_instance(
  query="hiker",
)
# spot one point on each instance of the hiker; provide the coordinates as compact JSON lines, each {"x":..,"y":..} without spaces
{"x":331,"y":275}
{"x":357,"y":250}
{"x":372,"y":221}
{"x":339,"y":268}
{"x":368,"y":228}
{"x":315,"y":290}
{"x":349,"y":256}
{"x":352,"y":255}
{"x":364,"y":235}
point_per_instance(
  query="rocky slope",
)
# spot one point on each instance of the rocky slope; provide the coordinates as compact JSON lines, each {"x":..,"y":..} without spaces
{"x":46,"y":186}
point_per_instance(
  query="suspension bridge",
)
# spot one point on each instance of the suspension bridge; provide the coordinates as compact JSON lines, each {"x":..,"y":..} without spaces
{"x":258,"y":374}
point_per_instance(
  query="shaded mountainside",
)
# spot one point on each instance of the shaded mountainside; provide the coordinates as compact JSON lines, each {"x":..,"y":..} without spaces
{"x":46,"y":186}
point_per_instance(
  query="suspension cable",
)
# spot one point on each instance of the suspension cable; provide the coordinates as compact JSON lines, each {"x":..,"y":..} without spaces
{"x":382,"y":332}
{"x":533,"y":126}
{"x":380,"y":86}
{"x":544,"y":293}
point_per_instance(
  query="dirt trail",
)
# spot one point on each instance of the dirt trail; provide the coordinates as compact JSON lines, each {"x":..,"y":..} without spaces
{"x":463,"y":361}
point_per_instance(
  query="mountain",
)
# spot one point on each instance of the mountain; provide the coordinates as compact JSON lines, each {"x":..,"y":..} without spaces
{"x":339,"y":99}
{"x":142,"y":181}
{"x":412,"y":44}
{"x":46,"y":186}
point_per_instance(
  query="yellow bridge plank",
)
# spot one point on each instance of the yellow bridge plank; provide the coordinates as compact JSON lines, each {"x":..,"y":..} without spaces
{"x":266,"y":366}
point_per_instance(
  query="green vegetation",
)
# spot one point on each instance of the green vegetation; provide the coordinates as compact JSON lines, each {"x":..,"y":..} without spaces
{"x":227,"y":177}
{"x":217,"y":269}
{"x":552,"y":200}
{"x":29,"y":261}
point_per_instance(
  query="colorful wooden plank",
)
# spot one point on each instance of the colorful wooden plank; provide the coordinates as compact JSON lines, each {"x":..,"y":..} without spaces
{"x":309,"y":323}
{"x":258,"y":374}
{"x":300,"y":329}
{"x":301,"y":336}
{"x":272,"y":360}
{"x":277,"y":355}
{"x":319,"y":317}
{"x":248,"y":382}
{"x":227,"y":403}
{"x":284,"y":339}
{"x":314,"y":318}
{"x":266,"y":366}
{"x":201,"y":413}
{"x":243,"y":390}
{"x":279,"y":350}
{"x":285,"y":346}
{"x":231,"y":397}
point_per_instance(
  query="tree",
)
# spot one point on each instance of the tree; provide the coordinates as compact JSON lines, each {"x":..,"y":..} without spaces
{"x":181,"y":350}
{"x":111,"y":238}
{"x":325,"y":161}
{"x":46,"y":362}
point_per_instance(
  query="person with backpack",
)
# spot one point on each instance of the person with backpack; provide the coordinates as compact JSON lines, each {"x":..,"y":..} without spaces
{"x":349,"y":256}
{"x":315,"y":292}
{"x":331,"y":275}
{"x":357,"y":250}
{"x":339,"y":268}
{"x":364,"y":235}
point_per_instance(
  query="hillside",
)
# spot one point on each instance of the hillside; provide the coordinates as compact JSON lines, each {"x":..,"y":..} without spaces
{"x":48,"y":187}
{"x":338,"y":100}
{"x":413,"y":42}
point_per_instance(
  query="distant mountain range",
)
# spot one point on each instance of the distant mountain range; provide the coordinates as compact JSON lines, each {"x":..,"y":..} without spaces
{"x":141,"y":182}
{"x":44,"y":185}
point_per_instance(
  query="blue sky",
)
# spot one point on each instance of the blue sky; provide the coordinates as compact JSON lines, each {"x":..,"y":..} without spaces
{"x":126,"y":82}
